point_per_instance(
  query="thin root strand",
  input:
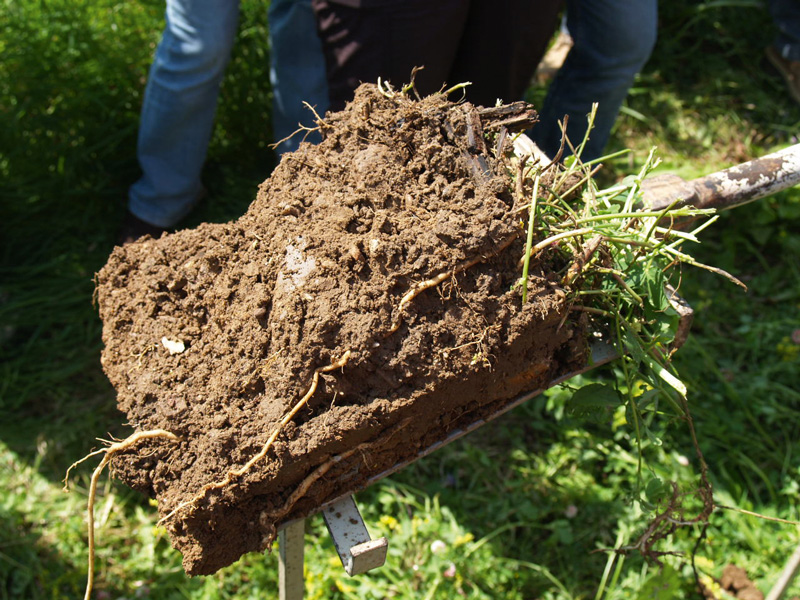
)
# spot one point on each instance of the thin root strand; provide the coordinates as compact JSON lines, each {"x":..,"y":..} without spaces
{"x":420,"y":287}
{"x":109,"y":454}
{"x":234,"y":474}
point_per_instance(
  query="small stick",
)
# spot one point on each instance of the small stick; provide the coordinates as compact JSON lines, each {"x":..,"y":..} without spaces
{"x":516,"y":117}
{"x":588,"y":250}
{"x":501,"y":141}
{"x":475,"y":141}
{"x":557,"y":158}
{"x":309,"y":130}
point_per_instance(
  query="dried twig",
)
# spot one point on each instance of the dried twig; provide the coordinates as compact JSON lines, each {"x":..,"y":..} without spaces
{"x":321,"y":125}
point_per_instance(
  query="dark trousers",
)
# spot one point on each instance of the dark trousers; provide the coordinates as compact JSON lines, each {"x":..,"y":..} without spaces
{"x":494,"y":44}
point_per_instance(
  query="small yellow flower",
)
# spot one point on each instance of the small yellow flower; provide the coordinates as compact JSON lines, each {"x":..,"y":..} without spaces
{"x":704,"y":563}
{"x":787,"y":350}
{"x":713,"y":587}
{"x":344,"y":587}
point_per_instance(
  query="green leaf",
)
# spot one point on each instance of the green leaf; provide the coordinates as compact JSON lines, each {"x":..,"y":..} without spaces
{"x":654,"y":288}
{"x":595,"y":395}
{"x":594,"y":402}
{"x":665,"y":584}
{"x":656,"y":490}
{"x":663,"y":324}
{"x":654,"y":439}
{"x":632,"y":344}
{"x":668,"y":377}
{"x":647,"y":398}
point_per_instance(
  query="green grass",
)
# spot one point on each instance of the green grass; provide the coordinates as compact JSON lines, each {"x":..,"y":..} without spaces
{"x":523,"y":504}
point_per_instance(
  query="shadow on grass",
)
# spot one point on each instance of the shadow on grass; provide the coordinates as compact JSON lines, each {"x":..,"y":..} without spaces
{"x":31,"y":568}
{"x":708,"y":88}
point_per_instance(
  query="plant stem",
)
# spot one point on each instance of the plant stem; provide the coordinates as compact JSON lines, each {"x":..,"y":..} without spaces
{"x":529,"y":239}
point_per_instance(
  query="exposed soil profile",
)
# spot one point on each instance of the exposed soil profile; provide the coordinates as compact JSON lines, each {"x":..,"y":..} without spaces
{"x":216,"y":333}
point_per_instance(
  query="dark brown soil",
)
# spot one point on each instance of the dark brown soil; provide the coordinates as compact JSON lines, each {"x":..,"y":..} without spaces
{"x":398,"y":192}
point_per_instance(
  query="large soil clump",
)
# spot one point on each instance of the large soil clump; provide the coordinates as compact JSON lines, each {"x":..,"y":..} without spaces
{"x":374,"y":275}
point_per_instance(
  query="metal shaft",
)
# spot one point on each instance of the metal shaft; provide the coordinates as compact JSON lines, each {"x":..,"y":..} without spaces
{"x":290,"y":572}
{"x":786,"y":576}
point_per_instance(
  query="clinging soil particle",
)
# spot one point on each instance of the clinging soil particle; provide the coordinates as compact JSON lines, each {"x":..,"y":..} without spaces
{"x":216,"y":333}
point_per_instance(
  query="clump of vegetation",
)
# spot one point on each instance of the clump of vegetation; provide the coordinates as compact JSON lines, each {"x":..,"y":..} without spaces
{"x":621,"y":267}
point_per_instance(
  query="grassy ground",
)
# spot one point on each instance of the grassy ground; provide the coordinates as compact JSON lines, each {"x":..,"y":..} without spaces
{"x":524,"y":504}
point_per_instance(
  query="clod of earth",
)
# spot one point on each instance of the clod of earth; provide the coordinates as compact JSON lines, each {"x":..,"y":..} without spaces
{"x":362,"y":309}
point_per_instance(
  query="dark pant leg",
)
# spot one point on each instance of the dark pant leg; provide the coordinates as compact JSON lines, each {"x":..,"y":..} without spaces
{"x":503,"y":42}
{"x":362,"y":44}
{"x":786,"y":16}
{"x":612,"y":41}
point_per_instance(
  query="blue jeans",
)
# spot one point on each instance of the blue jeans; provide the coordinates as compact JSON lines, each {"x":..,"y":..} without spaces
{"x":786,"y":16}
{"x":297,"y":71}
{"x":183,"y":86}
{"x":612,"y":40}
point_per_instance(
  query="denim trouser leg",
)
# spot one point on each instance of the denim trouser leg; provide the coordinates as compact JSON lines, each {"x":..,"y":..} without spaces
{"x":786,"y":16}
{"x":612,"y":41}
{"x":297,"y":71}
{"x":179,"y":105}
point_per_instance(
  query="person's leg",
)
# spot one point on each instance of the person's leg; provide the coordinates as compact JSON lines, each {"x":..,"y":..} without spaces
{"x":363,"y":44}
{"x":612,"y":41}
{"x":179,"y":105}
{"x":502,"y":44}
{"x":297,"y":71}
{"x":786,"y":16}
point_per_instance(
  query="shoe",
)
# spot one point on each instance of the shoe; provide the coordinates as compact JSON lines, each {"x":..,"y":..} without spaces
{"x":789,"y":70}
{"x":134,"y":228}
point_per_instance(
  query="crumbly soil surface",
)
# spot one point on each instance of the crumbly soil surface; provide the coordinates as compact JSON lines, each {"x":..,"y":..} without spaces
{"x":399,"y":192}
